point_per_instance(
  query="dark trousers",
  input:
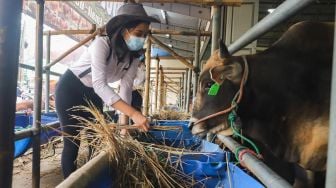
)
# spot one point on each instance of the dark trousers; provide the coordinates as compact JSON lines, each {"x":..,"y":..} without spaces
{"x":136,"y":100}
{"x":71,"y":92}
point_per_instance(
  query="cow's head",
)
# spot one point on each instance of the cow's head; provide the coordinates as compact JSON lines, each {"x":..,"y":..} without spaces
{"x":227,"y":72}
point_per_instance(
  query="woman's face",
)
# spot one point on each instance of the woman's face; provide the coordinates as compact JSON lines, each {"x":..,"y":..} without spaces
{"x":141,"y":30}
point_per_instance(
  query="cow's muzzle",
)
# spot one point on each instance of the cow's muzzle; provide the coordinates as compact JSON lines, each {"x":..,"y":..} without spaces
{"x":197,"y":129}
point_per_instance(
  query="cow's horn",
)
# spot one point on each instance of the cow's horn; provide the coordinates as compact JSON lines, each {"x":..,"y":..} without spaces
{"x":223,"y":51}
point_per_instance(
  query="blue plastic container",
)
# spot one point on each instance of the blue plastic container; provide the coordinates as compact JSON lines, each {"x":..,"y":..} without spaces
{"x":23,"y":121}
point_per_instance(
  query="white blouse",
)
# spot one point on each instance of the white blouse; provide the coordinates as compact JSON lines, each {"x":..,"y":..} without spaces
{"x":103,"y":73}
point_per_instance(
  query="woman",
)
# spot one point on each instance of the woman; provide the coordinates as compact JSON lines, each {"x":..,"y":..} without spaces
{"x":108,"y":59}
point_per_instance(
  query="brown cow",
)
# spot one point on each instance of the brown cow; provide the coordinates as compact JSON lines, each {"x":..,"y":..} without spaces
{"x":284,"y":108}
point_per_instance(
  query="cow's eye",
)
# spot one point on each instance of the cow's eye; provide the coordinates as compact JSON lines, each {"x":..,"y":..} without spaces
{"x":208,"y":85}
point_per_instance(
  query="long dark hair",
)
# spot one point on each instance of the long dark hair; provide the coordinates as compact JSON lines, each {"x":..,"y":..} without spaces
{"x":118,"y":43}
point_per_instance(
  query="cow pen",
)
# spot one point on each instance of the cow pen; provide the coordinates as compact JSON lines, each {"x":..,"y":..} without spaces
{"x":187,"y":80}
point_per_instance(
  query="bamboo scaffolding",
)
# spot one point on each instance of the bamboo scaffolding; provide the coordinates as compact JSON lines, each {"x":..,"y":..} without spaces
{"x":72,"y":31}
{"x":75,"y":47}
{"x":203,"y":2}
{"x":172,"y":52}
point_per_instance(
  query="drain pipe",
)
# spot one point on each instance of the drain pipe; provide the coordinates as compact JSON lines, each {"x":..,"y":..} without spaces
{"x":267,"y":176}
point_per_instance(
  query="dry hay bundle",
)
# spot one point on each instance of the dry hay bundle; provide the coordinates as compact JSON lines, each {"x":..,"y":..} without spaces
{"x":171,"y":115}
{"x":137,"y":164}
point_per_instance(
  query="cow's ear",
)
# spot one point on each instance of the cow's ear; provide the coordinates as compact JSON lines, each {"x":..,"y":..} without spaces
{"x":223,"y":50}
{"x":232,"y":72}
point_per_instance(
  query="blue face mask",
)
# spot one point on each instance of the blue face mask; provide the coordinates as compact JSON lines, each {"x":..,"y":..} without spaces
{"x":135,"y":43}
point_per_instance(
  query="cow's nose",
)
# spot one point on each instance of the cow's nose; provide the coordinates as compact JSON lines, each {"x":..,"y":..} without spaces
{"x":192,"y":122}
{"x":190,"y":125}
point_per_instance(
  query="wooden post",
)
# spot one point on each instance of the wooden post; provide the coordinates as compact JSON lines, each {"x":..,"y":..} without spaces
{"x":172,"y":52}
{"x":147,"y":82}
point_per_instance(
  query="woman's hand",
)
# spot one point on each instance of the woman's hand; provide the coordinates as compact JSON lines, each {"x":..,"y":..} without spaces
{"x":140,"y":120}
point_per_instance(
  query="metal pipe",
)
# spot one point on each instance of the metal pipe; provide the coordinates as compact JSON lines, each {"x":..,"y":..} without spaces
{"x":147,"y":82}
{"x":280,"y":14}
{"x":185,"y":33}
{"x":172,"y":52}
{"x":196,"y":64}
{"x":216,"y":25}
{"x":75,"y":47}
{"x":47,"y":75}
{"x":156,"y":84}
{"x":331,"y":160}
{"x":267,"y":176}
{"x":38,"y":93}
{"x":10,"y":19}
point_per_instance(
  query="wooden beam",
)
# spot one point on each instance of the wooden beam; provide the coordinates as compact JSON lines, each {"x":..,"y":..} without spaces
{"x":177,"y":56}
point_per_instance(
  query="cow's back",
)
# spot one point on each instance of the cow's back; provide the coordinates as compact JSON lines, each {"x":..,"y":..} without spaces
{"x":305,"y":37}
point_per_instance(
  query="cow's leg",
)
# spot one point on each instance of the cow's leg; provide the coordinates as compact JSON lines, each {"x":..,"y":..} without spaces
{"x":319,"y":178}
{"x":302,"y":178}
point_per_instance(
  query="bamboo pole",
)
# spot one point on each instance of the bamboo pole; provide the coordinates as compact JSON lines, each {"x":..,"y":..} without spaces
{"x":175,"y":72}
{"x":172,"y":52}
{"x":188,"y":90}
{"x":203,"y":2}
{"x":161,"y":89}
{"x":156,"y":83}
{"x":147,"y":82}
{"x":171,"y":68}
{"x":38,"y":94}
{"x":170,"y":57}
{"x":47,"y":75}
{"x":75,"y":47}
{"x":72,"y":31}
{"x":196,"y":64}
{"x":185,"y":33}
